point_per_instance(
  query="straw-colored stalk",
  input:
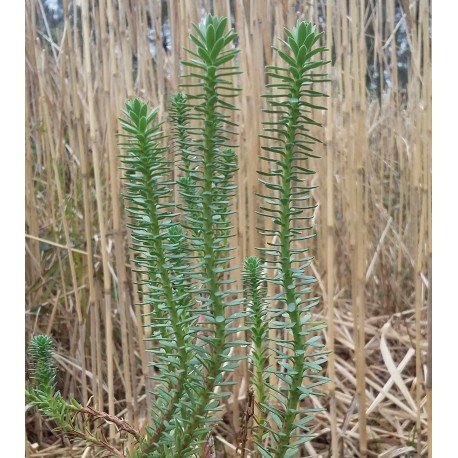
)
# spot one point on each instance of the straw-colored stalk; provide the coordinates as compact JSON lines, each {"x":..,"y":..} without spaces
{"x":100,"y":209}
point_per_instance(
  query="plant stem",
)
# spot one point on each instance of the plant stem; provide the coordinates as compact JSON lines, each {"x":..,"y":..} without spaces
{"x":209,"y":263}
{"x":288,"y":281}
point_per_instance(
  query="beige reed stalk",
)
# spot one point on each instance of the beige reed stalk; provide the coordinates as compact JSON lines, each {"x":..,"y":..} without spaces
{"x":100,"y":212}
{"x":172,"y":10}
{"x":361,"y":151}
{"x":354,"y":99}
{"x":154,"y":9}
{"x":419,"y":207}
{"x":123,"y":296}
{"x":428,"y":184}
{"x":251,"y":83}
{"x":33,"y":266}
{"x":126,"y":49}
{"x":330,"y":145}
{"x":427,"y":201}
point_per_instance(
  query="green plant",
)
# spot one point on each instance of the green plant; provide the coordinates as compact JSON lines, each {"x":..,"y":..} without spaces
{"x":288,"y":206}
{"x":184,"y":247}
{"x":70,"y":416}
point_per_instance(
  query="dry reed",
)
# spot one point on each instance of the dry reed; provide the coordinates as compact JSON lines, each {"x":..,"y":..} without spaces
{"x":373,"y":250}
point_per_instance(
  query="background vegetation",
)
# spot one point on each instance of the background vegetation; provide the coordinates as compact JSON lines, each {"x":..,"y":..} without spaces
{"x":373,"y":251}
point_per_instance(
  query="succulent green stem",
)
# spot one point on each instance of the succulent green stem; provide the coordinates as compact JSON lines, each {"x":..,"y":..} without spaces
{"x":215,"y":300}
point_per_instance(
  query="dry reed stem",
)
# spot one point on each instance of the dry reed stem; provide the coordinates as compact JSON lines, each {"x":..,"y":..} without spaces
{"x":100,"y":210}
{"x":330,"y":241}
{"x":374,"y":221}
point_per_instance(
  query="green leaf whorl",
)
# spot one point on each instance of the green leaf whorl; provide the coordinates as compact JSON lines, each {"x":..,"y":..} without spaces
{"x":43,"y":370}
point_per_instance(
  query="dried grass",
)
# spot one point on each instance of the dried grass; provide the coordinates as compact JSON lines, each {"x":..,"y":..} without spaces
{"x":373,"y":247}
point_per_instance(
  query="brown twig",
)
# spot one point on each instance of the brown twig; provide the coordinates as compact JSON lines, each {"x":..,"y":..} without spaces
{"x":94,"y":441}
{"x":246,"y":417}
{"x":118,"y":422}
